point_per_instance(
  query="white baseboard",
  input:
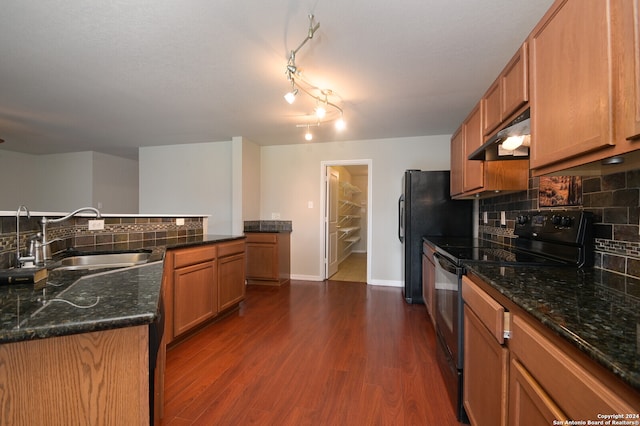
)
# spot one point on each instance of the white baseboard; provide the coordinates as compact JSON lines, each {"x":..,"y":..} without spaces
{"x":387,"y":283}
{"x":307,"y":277}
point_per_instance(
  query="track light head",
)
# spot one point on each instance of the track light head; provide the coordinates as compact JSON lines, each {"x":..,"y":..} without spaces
{"x":291,"y":96}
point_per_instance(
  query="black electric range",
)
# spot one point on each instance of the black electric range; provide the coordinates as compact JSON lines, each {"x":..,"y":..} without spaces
{"x":553,"y":238}
{"x":545,"y":239}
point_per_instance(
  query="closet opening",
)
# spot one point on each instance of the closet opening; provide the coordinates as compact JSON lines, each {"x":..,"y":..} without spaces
{"x":346,"y":220}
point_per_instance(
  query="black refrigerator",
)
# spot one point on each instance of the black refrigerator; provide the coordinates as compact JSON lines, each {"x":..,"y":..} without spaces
{"x":425,"y":209}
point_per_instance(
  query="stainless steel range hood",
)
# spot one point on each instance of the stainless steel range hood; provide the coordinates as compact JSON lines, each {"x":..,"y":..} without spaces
{"x":492,"y":149}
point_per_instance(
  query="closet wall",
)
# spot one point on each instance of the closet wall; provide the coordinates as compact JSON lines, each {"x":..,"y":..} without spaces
{"x":352,"y":210}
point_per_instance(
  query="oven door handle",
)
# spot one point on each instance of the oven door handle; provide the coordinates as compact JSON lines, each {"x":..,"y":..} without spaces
{"x":446,"y":264}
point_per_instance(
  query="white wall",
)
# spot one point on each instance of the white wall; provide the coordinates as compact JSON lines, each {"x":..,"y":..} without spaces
{"x":115,"y":184}
{"x":250,"y":181}
{"x":188,"y":179}
{"x":65,"y":182}
{"x":19,"y":179}
{"x":291,"y":177}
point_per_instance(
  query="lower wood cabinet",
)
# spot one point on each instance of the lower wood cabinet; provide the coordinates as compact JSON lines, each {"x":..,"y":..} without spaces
{"x":231,"y":274}
{"x":268,"y":258}
{"x":200,"y":282}
{"x":485,"y":372}
{"x":534,"y":377}
{"x":97,"y":378}
{"x":529,"y":403}
{"x":575,"y":390}
{"x":195,"y":295}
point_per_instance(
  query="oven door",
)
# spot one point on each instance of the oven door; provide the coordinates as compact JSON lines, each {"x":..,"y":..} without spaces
{"x":448,"y":306}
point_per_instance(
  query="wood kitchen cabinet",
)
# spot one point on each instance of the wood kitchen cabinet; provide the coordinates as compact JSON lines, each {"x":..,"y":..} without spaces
{"x":200,"y":282}
{"x":195,"y":290}
{"x":189,"y":289}
{"x":231,"y":274}
{"x":529,"y":403}
{"x":457,"y":163}
{"x":534,"y":376}
{"x":485,"y":372}
{"x":507,"y":94}
{"x":584,"y":87}
{"x":473,"y":171}
{"x":487,"y":178}
{"x":93,"y":378}
{"x":574,"y":389}
{"x":268,"y":258}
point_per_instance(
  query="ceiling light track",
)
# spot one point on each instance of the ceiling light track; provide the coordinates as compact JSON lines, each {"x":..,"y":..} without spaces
{"x":326,"y":108}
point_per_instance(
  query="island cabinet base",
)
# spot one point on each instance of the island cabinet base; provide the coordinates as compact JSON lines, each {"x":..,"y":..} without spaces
{"x":90,"y":379}
{"x":268,"y":258}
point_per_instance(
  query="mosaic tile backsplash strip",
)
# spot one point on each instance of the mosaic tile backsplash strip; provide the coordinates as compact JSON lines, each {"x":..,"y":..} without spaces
{"x":615,"y":202}
{"x":125,"y":233}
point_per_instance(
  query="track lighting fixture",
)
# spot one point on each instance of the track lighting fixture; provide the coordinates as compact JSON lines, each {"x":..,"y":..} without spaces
{"x":326,"y":108}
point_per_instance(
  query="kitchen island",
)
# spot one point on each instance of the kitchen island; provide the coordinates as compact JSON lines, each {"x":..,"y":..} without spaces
{"x":78,"y":349}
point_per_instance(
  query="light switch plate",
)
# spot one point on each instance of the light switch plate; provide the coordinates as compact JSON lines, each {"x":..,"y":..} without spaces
{"x":485,"y":218}
{"x":503,"y":219}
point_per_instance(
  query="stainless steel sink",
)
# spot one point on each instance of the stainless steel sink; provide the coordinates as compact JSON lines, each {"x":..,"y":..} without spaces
{"x":100,"y":261}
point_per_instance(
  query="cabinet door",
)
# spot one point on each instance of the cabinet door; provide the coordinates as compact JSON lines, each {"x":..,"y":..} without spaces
{"x":195,"y":295}
{"x":528,"y":403}
{"x":473,"y":176}
{"x":457,"y":162}
{"x":571,"y":81}
{"x":631,"y":89}
{"x":262,"y":261}
{"x":514,"y":83}
{"x":485,"y":374}
{"x":492,"y":106}
{"x":231,"y":275}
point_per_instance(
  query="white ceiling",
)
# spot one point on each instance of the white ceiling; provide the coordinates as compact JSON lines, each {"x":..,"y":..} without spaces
{"x":110,"y":76}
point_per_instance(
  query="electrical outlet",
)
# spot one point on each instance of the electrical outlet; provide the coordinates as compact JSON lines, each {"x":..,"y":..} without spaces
{"x":275,"y":216}
{"x":503,"y":219}
{"x":96,"y":225}
{"x":180,"y":221}
{"x":485,"y":218}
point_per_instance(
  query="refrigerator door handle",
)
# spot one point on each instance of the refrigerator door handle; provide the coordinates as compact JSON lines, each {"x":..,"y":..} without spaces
{"x":401,"y":218}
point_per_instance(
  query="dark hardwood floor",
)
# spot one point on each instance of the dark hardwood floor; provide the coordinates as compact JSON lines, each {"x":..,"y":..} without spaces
{"x":310,"y":353}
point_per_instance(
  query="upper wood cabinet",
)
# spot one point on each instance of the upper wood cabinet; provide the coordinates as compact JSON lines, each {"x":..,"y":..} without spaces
{"x":584,"y":86}
{"x":509,"y":92}
{"x":481,"y":179}
{"x":631,"y":68}
{"x":473,"y":175}
{"x":457,"y":162}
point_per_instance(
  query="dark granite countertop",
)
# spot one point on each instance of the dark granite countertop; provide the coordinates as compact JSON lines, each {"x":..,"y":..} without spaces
{"x":83,"y":301}
{"x":596,"y":311}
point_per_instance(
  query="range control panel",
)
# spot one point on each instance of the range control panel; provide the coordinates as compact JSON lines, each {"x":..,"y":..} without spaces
{"x":563,"y":226}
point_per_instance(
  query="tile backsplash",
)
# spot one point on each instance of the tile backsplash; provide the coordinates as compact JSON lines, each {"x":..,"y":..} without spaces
{"x":613,"y":199}
{"x":120,"y":233}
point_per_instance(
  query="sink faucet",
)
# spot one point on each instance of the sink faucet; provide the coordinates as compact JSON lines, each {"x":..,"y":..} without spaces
{"x":46,"y":250}
{"x":21,"y":260}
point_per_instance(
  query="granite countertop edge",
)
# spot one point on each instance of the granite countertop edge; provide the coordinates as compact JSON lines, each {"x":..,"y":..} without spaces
{"x":147,"y":278}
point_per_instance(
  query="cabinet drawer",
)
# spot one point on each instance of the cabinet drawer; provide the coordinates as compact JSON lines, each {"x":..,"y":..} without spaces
{"x":490,"y":312}
{"x":232,"y":247}
{"x":193,"y":255}
{"x":578,"y":393}
{"x":262,"y":237}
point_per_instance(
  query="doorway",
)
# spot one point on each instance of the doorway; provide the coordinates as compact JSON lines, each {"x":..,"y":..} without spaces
{"x":347,"y":220}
